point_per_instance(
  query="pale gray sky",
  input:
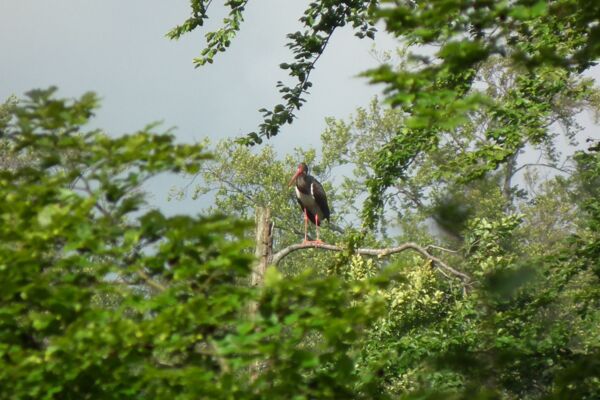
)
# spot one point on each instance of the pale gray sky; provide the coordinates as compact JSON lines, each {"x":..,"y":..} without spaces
{"x":119,"y":50}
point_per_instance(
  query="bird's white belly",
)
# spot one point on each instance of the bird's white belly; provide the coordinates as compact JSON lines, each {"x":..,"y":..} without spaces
{"x":310,"y":203}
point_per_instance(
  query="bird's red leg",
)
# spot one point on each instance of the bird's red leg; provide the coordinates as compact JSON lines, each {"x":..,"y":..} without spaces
{"x":305,"y":226}
{"x":317,"y":228}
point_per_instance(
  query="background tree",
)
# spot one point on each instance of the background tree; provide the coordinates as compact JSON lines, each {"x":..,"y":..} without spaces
{"x":439,"y":180}
{"x":7,"y":157}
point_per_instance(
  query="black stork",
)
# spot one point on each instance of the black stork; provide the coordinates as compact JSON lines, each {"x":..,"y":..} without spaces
{"x":312,"y":199}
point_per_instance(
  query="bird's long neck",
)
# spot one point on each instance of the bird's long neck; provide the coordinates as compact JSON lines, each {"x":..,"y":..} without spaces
{"x":303,"y":182}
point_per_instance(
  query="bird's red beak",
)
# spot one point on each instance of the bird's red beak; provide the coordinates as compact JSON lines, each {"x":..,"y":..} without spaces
{"x":298,"y":172}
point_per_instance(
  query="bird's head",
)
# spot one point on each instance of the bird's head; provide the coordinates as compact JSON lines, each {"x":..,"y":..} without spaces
{"x":302,"y":170}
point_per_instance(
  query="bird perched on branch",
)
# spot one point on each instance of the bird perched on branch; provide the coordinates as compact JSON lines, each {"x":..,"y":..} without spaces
{"x":312,"y":199}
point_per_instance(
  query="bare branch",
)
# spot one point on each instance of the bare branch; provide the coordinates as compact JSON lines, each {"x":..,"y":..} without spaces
{"x":228,"y":183}
{"x":151,"y":282}
{"x":383,"y":252}
{"x":563,"y":170}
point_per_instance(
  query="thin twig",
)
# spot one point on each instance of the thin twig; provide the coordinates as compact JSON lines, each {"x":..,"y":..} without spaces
{"x":433,"y":246}
{"x":151,"y":282}
{"x":88,"y":190}
{"x":564,"y":171}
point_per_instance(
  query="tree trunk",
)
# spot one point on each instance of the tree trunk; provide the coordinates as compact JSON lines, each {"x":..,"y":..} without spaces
{"x":263,"y":250}
{"x":264,"y":244}
{"x":264,"y":256}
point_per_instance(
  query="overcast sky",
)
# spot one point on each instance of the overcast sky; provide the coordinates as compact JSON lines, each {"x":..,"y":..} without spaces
{"x":119,"y":50}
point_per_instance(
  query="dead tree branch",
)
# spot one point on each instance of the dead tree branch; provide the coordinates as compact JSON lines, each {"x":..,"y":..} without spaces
{"x":379,"y":253}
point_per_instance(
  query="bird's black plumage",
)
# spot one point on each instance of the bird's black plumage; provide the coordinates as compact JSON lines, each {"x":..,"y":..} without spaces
{"x":311,"y":196}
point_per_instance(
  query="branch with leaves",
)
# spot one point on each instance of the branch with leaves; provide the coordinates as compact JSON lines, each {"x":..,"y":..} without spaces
{"x":320,"y":20}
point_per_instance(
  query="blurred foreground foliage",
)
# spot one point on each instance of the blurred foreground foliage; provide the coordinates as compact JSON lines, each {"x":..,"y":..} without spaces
{"x":104,"y":297}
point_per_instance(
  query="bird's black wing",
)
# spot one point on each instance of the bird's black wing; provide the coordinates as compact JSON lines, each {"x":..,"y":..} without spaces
{"x":317,"y":191}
